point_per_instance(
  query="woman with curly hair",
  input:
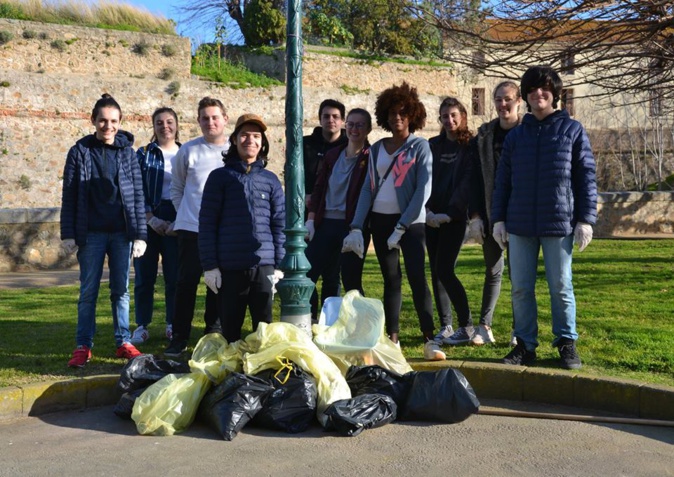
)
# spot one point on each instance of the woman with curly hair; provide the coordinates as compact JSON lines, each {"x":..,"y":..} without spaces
{"x":397,"y":185}
{"x":446,"y":216}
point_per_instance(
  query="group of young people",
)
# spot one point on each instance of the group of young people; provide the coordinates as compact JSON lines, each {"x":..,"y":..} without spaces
{"x":522,"y":183}
{"x":206,"y":207}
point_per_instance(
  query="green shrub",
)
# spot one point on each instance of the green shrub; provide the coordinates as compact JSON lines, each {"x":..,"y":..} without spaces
{"x":25,"y":182}
{"x":166,"y":74}
{"x":141,"y":48}
{"x":5,"y":36}
{"x":43,"y":35}
{"x":168,"y":50}
{"x":4,"y":84}
{"x":29,"y":34}
{"x":59,"y":45}
{"x":71,"y":41}
{"x":124,"y":43}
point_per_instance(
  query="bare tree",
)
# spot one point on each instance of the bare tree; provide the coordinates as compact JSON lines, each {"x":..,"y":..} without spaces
{"x":617,"y":46}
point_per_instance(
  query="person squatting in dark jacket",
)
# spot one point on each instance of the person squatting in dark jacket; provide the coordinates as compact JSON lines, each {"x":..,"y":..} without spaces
{"x":103,"y":213}
{"x":446,"y":216}
{"x":545,"y":197}
{"x":333,"y":205}
{"x":241,"y":225}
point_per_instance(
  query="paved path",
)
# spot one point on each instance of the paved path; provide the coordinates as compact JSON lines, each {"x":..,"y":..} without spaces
{"x":95,"y":442}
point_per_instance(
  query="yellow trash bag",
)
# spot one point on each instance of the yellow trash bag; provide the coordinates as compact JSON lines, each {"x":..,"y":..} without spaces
{"x":276,"y":341}
{"x":357,"y":337}
{"x":216,"y":358}
{"x":169,"y":405}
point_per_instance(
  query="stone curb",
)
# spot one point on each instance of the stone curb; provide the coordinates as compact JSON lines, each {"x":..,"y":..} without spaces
{"x":489,"y":380}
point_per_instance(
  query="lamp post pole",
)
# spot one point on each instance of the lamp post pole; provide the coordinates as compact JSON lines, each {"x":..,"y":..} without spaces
{"x":295,"y":288}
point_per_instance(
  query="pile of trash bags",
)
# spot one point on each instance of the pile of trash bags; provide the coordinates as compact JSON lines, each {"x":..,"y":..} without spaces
{"x":349,"y":376}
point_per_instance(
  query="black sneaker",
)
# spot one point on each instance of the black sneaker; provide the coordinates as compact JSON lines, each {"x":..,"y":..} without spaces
{"x":214,"y":328}
{"x":175,"y":348}
{"x":519,"y":355}
{"x":568,"y":355}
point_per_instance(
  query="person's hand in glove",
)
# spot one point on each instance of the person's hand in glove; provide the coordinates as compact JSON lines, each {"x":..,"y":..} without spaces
{"x":476,"y":230}
{"x":394,"y":239}
{"x":431,"y":220}
{"x":310,"y":229}
{"x":582,"y":235}
{"x":169,"y":230}
{"x":354,"y":243}
{"x":500,"y":234}
{"x":139,"y":247}
{"x":442,"y":219}
{"x":213,"y":279}
{"x":69,"y":246}
{"x":158,"y":225}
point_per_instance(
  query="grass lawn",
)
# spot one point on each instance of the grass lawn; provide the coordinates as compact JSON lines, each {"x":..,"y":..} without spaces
{"x":624,"y":292}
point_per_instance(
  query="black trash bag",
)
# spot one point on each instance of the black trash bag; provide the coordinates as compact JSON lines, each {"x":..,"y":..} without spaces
{"x":291,"y":407}
{"x":375,"y":379}
{"x":124,"y":407}
{"x":230,"y":405}
{"x":440,"y":396}
{"x":352,"y":416}
{"x":146,"y":369}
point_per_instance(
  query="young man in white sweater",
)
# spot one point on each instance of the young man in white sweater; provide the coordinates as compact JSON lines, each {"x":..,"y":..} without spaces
{"x":191,"y":167}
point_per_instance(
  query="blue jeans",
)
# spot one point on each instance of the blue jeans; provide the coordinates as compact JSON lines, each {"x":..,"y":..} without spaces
{"x":146,"y":270}
{"x":91,"y":258}
{"x":557,"y":252}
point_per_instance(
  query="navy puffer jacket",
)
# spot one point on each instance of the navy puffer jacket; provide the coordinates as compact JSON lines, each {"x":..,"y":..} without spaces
{"x":76,"y":180}
{"x":545,"y":180}
{"x":242,"y":218}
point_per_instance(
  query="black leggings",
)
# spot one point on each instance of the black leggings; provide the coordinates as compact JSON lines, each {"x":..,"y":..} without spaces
{"x":444,"y":244}
{"x":412,"y":245}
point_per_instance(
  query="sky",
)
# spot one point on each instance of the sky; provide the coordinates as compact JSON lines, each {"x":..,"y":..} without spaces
{"x":169,"y":9}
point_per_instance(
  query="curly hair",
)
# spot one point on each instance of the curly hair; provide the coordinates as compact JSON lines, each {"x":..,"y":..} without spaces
{"x":463,"y":134}
{"x":405,"y":97}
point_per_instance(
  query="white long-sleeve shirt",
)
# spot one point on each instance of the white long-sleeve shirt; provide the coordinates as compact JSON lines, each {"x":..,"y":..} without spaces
{"x":191,"y":167}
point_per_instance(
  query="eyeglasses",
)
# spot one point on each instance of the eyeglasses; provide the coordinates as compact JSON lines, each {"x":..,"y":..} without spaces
{"x":352,"y":125}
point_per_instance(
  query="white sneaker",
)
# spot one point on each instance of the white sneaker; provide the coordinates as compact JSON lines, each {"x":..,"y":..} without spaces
{"x":483,"y":335}
{"x":513,"y":339}
{"x":140,"y":335}
{"x":444,"y":334}
{"x":169,"y":332}
{"x":432,"y":351}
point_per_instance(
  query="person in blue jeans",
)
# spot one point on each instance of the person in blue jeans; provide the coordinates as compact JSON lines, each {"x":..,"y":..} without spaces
{"x":103,"y":213}
{"x":155,"y":166}
{"x":545,"y":197}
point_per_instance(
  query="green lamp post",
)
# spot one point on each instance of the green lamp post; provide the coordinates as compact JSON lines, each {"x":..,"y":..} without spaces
{"x":295,"y":288}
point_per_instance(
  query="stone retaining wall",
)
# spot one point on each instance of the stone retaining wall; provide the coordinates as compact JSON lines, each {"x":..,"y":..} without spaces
{"x":29,"y":238}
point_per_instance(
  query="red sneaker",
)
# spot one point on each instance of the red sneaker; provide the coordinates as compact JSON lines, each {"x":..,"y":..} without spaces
{"x":127,"y":351}
{"x":81,"y":356}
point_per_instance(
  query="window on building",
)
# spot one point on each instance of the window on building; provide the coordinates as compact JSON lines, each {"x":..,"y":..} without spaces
{"x":477,"y":102}
{"x":568,"y":102}
{"x":568,"y":63}
{"x":655,"y":102}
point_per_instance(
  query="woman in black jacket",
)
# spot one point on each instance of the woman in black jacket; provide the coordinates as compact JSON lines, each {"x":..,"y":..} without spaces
{"x":446,"y":215}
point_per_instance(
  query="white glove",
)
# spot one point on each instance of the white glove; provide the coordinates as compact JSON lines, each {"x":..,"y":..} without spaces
{"x":431,"y":220}
{"x":213,"y":279}
{"x":169,"y":229}
{"x":69,"y":246}
{"x":500,"y":234}
{"x":310,"y":229}
{"x":139,"y":247}
{"x":158,"y":225}
{"x":274,"y":279}
{"x":582,"y":235}
{"x":395,"y":237}
{"x":443,"y":219}
{"x":476,"y":230}
{"x":354,"y":243}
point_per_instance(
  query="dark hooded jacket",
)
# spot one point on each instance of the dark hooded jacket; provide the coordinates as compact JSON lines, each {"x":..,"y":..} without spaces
{"x":242,"y":217}
{"x":77,"y":176}
{"x":545,"y":179}
{"x":315,"y":147}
